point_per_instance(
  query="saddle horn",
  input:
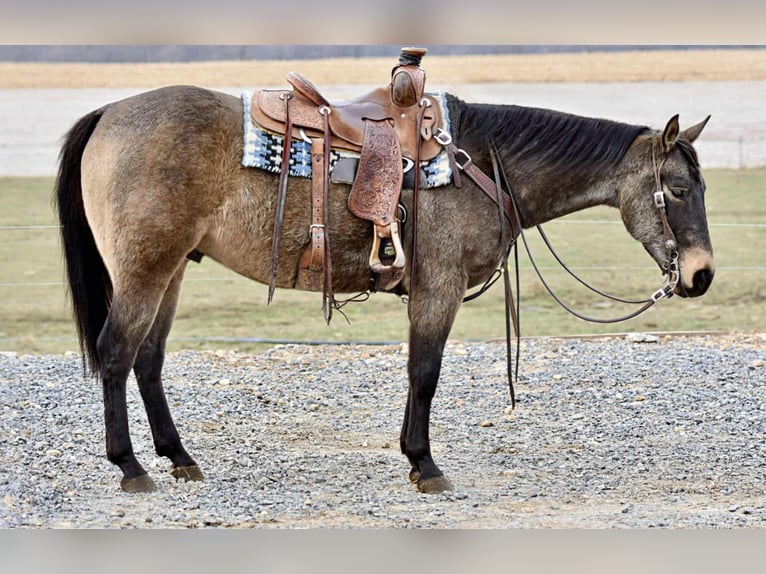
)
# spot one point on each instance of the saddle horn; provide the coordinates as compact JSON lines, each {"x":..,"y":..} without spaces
{"x":408,"y":79}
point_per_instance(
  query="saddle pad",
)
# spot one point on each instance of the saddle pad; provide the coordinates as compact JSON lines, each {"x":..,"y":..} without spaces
{"x":262,"y":149}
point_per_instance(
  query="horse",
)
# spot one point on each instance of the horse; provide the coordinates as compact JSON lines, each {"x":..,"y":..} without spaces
{"x":145,"y":181}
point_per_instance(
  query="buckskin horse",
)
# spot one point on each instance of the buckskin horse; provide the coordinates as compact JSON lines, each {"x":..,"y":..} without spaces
{"x":147,"y":181}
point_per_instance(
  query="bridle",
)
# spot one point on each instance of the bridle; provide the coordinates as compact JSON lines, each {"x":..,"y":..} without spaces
{"x":508,"y":211}
{"x":670,"y":266}
{"x":671,"y":245}
{"x":489,"y":187}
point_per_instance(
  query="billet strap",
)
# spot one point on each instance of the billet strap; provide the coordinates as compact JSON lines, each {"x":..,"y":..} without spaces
{"x":315,"y":266}
{"x":311,"y":266}
{"x":281,"y":195}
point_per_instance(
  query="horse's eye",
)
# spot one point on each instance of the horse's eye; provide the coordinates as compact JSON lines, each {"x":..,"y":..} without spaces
{"x":679,"y":192}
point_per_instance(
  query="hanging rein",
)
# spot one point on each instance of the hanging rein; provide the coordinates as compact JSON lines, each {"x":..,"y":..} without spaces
{"x":671,"y":262}
{"x":499,"y":190}
{"x":507,"y":209}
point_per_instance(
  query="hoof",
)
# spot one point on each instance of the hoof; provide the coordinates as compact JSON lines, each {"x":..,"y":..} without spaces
{"x":141,"y":483}
{"x":434,"y":485}
{"x":414,"y":475}
{"x":187,"y":473}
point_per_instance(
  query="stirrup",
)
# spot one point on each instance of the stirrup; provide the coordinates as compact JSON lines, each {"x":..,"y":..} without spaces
{"x":391,"y":232}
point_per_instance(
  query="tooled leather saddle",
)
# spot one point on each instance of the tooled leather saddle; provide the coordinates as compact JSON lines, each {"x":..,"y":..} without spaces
{"x":391,"y":128}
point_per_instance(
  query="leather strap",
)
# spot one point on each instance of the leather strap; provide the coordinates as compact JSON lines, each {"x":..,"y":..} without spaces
{"x":671,"y":245}
{"x":485,"y":183}
{"x":328,"y":299}
{"x":315,"y":266}
{"x":424,"y":104}
{"x":311,"y":266}
{"x":281,"y":195}
{"x":511,"y":316}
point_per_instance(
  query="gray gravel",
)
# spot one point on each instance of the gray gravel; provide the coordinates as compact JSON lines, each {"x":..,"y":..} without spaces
{"x":609,"y":432}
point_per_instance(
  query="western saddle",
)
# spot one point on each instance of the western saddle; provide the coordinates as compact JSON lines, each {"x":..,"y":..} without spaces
{"x":391,"y":128}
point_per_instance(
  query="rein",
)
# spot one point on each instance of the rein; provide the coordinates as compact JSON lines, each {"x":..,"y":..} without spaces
{"x":488,"y":186}
{"x":671,"y":264}
{"x":506,"y":211}
{"x":507,"y":208}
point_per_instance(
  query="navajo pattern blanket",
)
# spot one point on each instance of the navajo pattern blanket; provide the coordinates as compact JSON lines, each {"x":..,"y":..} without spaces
{"x":263,"y":150}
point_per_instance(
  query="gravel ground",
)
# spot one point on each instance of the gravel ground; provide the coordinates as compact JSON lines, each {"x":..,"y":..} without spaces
{"x":619,"y":432}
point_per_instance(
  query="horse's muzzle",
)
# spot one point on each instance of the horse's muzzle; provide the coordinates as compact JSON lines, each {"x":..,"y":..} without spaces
{"x":697,"y":268}
{"x":701,"y":280}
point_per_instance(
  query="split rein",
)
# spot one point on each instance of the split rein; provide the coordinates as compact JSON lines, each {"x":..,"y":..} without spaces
{"x":507,"y":209}
{"x":500,"y":191}
{"x":671,"y":264}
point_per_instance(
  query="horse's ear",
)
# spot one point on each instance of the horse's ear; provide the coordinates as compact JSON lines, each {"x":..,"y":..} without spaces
{"x":693,"y":132}
{"x":670,"y":135}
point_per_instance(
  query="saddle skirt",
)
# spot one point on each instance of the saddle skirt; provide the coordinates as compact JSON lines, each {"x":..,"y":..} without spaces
{"x":263,"y":149}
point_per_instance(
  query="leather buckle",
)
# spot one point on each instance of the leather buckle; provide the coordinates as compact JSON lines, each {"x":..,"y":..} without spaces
{"x":442,"y":137}
{"x":462,"y":159}
{"x":666,"y":291}
{"x":659,"y":199}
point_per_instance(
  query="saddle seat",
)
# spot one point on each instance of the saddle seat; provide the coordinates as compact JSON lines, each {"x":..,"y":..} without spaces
{"x":347,"y":117}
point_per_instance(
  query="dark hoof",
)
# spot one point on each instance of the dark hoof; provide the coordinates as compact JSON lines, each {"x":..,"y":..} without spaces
{"x":141,"y":483}
{"x":187,"y":473}
{"x":434,"y":485}
{"x":414,"y":475}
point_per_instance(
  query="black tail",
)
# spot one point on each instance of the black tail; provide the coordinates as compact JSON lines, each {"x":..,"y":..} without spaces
{"x":89,"y":285}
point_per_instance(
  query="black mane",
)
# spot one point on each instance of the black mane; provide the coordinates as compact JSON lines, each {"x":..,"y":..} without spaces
{"x":548,"y":138}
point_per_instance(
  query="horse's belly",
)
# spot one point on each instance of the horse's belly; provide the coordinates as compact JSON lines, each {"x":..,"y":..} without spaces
{"x":243,"y":242}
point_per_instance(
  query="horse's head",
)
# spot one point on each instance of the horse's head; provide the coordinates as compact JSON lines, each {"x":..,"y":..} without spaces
{"x":667,"y":162}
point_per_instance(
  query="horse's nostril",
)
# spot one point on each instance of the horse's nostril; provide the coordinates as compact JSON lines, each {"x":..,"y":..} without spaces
{"x":702,"y":280}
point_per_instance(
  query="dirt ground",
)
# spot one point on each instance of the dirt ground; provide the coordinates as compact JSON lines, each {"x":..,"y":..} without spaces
{"x":679,"y":65}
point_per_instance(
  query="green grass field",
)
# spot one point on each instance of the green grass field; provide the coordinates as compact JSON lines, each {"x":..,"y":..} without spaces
{"x":217,"y":305}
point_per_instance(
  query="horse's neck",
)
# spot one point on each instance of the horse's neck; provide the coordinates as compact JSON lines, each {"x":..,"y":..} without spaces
{"x":541,"y":199}
{"x":556,"y":163}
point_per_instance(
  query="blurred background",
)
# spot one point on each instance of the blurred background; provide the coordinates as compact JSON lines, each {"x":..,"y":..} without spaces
{"x":45,"y":89}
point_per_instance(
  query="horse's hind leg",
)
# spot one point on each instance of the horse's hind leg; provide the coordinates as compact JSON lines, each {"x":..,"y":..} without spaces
{"x":131,"y":315}
{"x":148,"y":370}
{"x":117,"y":345}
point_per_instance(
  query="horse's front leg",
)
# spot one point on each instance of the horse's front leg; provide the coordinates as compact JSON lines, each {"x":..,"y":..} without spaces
{"x":432,"y":315}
